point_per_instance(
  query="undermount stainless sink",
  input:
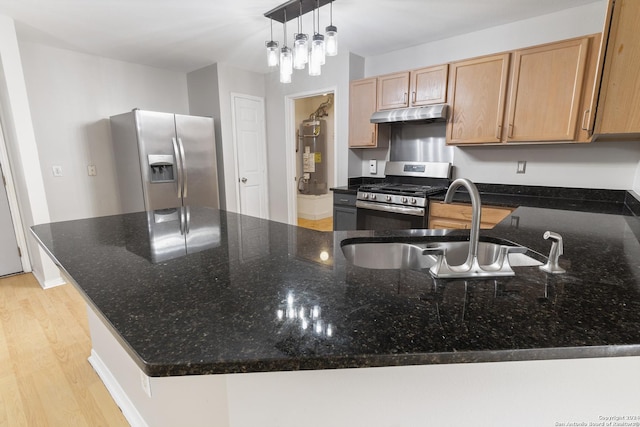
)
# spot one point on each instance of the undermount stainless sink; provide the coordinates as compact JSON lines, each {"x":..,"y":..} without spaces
{"x":418,"y":256}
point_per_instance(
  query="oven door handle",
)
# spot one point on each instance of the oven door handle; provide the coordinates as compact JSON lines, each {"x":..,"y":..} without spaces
{"x":406,"y":210}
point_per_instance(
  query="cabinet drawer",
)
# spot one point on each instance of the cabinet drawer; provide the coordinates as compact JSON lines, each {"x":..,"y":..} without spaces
{"x":344,"y":199}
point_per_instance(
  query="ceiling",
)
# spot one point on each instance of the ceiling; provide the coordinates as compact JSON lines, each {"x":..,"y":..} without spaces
{"x":184,"y":35}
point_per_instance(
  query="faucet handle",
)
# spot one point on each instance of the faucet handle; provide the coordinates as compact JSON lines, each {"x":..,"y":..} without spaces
{"x":557,"y":249}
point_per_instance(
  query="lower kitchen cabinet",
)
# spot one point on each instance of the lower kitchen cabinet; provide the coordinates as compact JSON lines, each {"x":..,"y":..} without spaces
{"x":344,"y":211}
{"x":458,"y":215}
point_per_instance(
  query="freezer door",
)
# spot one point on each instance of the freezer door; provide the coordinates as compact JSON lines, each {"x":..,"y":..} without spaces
{"x":159,"y":160}
{"x":197,"y":147}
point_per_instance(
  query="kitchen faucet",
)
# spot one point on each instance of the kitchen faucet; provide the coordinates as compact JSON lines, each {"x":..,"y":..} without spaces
{"x":471,"y":267}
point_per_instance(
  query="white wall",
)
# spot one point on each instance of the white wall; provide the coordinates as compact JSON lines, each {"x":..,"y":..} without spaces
{"x":613,"y":165}
{"x":335,"y":76}
{"x":72,"y":95}
{"x":22,"y":150}
{"x":210,"y":90}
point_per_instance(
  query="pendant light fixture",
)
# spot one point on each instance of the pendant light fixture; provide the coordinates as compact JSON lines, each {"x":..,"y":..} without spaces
{"x":317,"y":45}
{"x":272,"y":50}
{"x":305,"y":51}
{"x":300,"y":46}
{"x":331,"y":33}
{"x":286,"y":57}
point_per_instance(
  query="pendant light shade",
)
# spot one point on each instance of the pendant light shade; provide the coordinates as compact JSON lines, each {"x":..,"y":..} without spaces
{"x":317,"y":49}
{"x":272,"y":53}
{"x":300,"y":51}
{"x":286,"y":65}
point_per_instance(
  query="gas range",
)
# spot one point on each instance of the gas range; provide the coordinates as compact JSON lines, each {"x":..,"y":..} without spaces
{"x":402,"y":201}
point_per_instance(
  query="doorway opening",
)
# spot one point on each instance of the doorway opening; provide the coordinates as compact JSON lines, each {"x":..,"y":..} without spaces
{"x":314,"y":119}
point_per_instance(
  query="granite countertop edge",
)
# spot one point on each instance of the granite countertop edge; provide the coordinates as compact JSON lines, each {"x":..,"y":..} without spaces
{"x":392,"y":360}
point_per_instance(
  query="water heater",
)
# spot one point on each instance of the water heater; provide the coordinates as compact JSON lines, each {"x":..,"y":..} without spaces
{"x":313,"y":146}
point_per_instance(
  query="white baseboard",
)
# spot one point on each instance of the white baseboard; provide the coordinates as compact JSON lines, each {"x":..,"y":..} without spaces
{"x":117,"y":393}
{"x":46,"y":284}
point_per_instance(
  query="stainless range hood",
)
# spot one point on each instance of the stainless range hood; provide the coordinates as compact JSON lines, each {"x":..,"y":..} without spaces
{"x":426,"y":114}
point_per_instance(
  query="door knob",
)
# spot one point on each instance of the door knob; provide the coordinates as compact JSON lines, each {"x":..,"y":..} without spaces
{"x":244,"y":180}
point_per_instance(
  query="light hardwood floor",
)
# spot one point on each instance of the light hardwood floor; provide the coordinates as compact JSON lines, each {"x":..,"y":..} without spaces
{"x":45,"y":378}
{"x":324,"y":224}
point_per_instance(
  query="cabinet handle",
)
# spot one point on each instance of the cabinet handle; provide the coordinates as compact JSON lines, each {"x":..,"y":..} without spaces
{"x":373,"y":138}
{"x":405,"y":98}
{"x":498,"y":132}
{"x":585,"y":115}
{"x":414,"y":97}
{"x":510,"y":135}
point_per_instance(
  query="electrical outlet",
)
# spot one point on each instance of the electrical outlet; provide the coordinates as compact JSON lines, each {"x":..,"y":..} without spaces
{"x":522,"y":166}
{"x":91,"y":170}
{"x":57,"y":170}
{"x":373,"y":166}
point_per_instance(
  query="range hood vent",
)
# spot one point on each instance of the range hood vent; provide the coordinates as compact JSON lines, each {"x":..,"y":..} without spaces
{"x":426,"y":114}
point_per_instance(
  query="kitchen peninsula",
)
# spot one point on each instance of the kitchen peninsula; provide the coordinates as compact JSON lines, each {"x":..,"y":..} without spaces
{"x":260,"y":326}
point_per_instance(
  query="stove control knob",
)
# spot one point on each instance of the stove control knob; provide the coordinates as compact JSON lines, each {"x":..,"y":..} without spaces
{"x":413,"y":201}
{"x":373,"y":197}
{"x":365,"y":195}
{"x":388,"y":198}
{"x":404,"y":200}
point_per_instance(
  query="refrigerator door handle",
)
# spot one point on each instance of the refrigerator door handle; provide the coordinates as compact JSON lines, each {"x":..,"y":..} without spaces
{"x":187,"y":219}
{"x":176,"y":152}
{"x":182,"y":227}
{"x":184,"y":168}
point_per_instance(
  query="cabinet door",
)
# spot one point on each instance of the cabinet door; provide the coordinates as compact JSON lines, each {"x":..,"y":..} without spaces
{"x":618,"y":107}
{"x":477,"y":93}
{"x":459,"y":215}
{"x":546,"y":91}
{"x":429,"y":85}
{"x":362,"y":104}
{"x":344,"y":218}
{"x":393,"y":91}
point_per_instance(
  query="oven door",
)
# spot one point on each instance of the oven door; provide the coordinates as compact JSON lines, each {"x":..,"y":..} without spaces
{"x":381,"y":216}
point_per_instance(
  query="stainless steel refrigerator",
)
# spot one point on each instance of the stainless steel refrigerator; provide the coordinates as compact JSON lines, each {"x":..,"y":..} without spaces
{"x":166,"y":166}
{"x":164,"y":160}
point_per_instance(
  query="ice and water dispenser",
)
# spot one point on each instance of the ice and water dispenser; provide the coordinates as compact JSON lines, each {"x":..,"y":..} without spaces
{"x":162,"y":167}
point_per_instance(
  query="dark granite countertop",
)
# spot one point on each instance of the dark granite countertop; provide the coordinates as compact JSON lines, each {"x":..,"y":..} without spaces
{"x":234,"y":303}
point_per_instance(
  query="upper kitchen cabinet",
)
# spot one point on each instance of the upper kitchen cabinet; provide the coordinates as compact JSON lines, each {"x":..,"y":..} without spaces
{"x":429,"y":85}
{"x":477,"y":94}
{"x":618,"y":110}
{"x":393,"y":91}
{"x":546,"y":92}
{"x":549,"y":95}
{"x":362,"y":104}
{"x":413,"y":88}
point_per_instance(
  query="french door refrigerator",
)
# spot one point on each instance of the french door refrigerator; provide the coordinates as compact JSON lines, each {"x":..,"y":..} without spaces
{"x":166,"y":166}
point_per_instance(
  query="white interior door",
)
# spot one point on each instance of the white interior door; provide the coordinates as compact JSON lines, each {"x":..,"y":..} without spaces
{"x":250,"y":148}
{"x":9,"y":255}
